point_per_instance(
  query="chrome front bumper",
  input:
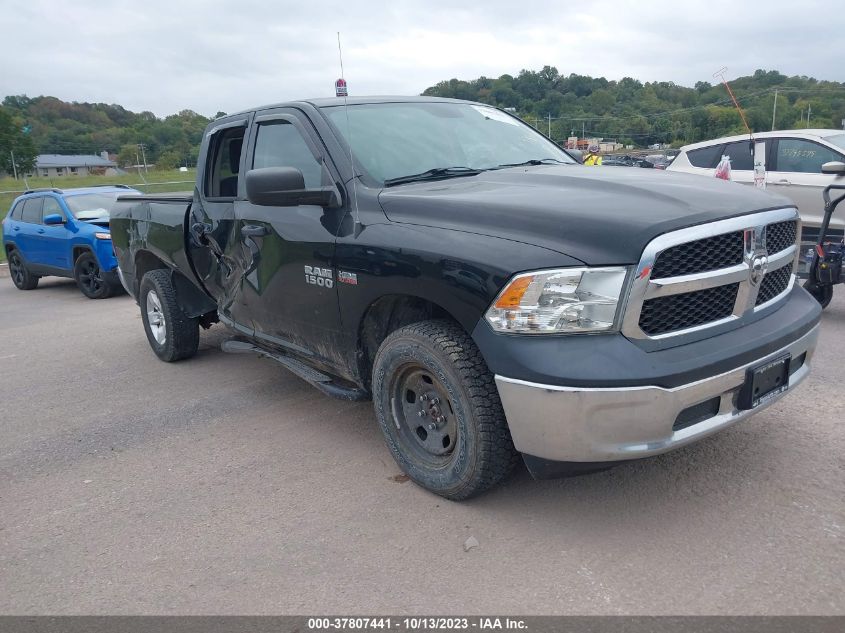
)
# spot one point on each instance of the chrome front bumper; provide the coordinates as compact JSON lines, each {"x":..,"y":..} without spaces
{"x":574,"y":424}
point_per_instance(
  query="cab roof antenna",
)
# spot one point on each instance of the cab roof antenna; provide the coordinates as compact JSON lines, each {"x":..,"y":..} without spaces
{"x":341,"y":85}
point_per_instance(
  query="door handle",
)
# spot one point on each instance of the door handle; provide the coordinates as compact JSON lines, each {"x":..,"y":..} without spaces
{"x":784,"y":181}
{"x":17,"y":228}
{"x":253,"y":230}
{"x":40,"y":230}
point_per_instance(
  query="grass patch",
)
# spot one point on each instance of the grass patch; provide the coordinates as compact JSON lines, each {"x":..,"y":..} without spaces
{"x":152,"y":182}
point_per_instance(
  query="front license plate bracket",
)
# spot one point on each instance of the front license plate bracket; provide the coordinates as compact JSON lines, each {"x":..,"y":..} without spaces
{"x":764,"y":382}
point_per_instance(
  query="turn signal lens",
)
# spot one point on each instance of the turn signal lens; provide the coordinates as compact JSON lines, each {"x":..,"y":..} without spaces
{"x":562,"y":301}
{"x":102,"y":236}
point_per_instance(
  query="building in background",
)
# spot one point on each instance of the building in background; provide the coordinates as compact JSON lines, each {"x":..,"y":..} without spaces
{"x":57,"y":165}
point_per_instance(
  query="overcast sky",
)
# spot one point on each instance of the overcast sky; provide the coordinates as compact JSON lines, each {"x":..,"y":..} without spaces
{"x":209,"y":55}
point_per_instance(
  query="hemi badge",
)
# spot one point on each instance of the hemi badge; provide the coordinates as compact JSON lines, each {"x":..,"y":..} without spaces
{"x":347,"y":278}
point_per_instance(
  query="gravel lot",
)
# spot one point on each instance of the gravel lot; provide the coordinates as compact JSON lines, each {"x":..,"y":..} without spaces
{"x":226,"y":485}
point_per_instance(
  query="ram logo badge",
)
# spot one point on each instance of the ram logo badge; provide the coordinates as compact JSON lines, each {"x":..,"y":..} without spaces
{"x":317,"y":276}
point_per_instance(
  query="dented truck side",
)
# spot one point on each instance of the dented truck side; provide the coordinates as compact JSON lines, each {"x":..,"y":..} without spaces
{"x":573,"y":317}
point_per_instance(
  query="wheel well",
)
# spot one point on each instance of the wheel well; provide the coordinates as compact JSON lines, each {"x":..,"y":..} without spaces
{"x":9,"y":248}
{"x":386,"y":315}
{"x":78,"y":250}
{"x":144,"y":263}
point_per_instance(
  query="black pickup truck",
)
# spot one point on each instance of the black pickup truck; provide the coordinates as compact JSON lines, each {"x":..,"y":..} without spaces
{"x":495,"y":299}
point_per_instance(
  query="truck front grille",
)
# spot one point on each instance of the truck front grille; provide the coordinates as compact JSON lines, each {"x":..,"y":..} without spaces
{"x":690,"y":309}
{"x":780,"y":236}
{"x":711,"y":253}
{"x":773,"y":284}
{"x":711,"y":275}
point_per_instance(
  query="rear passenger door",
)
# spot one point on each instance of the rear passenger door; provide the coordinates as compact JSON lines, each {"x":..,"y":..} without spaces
{"x":741,"y":154}
{"x":211,"y":222}
{"x":27,"y":237}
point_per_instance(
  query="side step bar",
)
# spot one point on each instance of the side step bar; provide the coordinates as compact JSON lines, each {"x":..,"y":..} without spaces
{"x":317,"y":379}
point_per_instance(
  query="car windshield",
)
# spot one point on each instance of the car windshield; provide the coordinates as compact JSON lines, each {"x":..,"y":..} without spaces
{"x":91,"y":206}
{"x":394,"y":140}
{"x":836,"y":139}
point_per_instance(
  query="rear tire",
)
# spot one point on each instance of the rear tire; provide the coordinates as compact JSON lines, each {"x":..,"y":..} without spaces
{"x":822,"y":294}
{"x":439,"y":410}
{"x":172,"y":335}
{"x":21,"y":277}
{"x":89,"y":277}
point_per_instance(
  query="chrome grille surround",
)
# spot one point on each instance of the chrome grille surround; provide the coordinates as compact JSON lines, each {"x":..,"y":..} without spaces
{"x":749,"y":274}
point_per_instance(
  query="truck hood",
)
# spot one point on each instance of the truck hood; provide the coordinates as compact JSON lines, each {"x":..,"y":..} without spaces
{"x":599,"y":215}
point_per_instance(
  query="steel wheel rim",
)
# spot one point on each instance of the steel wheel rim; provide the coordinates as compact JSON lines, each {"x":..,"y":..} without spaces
{"x":16,"y":268}
{"x":89,"y":277}
{"x":155,"y":318}
{"x":423,"y":415}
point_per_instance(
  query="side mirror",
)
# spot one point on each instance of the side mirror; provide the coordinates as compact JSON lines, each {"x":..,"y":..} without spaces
{"x":285,"y":187}
{"x":577,"y":154}
{"x":53,"y":218}
{"x":834,"y":167}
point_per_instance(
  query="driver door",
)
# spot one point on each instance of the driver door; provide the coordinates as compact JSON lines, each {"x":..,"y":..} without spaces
{"x":288,"y":272}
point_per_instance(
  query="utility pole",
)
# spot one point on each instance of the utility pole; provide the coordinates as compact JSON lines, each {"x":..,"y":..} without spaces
{"x":583,"y":130}
{"x":14,"y":167}
{"x":550,"y":125}
{"x":144,"y":155}
{"x":774,"y":109}
{"x":809,"y":109}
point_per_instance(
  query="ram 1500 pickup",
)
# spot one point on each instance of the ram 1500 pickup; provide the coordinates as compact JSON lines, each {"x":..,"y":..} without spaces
{"x":495,"y":299}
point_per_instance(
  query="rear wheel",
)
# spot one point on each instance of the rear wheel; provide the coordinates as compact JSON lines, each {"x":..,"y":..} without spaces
{"x":89,"y":277}
{"x":822,"y":294}
{"x":439,"y":410}
{"x":172,"y":335}
{"x":21,"y":277}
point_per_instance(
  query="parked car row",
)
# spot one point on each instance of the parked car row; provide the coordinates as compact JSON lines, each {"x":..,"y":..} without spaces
{"x":64,"y":233}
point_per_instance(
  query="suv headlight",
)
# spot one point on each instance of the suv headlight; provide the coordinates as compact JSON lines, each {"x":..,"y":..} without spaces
{"x":560,"y":301}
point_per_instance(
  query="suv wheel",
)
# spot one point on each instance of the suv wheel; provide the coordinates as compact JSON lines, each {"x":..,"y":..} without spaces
{"x":172,"y":335}
{"x":439,"y":410}
{"x":89,"y":278}
{"x":21,"y":277}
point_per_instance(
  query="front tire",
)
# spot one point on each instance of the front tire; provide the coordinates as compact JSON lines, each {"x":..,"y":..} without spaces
{"x":822,"y":294}
{"x":439,"y":410}
{"x":21,"y":277}
{"x":172,"y":335}
{"x":89,"y":277}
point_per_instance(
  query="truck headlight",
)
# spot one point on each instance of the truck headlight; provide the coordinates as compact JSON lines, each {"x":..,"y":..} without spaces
{"x":560,"y":301}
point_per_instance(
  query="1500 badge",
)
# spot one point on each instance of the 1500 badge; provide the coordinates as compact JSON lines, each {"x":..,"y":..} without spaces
{"x":317,"y":276}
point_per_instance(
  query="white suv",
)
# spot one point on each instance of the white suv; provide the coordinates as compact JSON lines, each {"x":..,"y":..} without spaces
{"x":794,"y":160}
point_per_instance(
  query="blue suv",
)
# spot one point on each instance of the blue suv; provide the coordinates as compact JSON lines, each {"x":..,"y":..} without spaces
{"x":64,"y":233}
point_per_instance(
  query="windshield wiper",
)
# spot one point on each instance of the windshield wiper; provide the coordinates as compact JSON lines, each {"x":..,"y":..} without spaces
{"x":535,"y":161}
{"x":433,"y":174}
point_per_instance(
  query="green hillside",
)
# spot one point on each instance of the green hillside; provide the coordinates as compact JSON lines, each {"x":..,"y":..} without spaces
{"x":641,"y":114}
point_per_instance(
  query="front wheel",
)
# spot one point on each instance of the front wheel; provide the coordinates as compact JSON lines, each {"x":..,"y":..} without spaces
{"x":822,"y":294}
{"x":89,"y":277}
{"x":439,"y":410}
{"x":172,"y":335}
{"x":21,"y":277}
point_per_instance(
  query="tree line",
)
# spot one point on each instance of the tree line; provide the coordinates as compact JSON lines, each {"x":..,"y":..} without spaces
{"x":47,"y":125}
{"x":640,"y":114}
{"x":628,"y":111}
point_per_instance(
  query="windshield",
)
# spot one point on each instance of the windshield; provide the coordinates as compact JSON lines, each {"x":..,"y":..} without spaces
{"x":836,"y":139}
{"x":392,"y":140}
{"x":91,"y":206}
